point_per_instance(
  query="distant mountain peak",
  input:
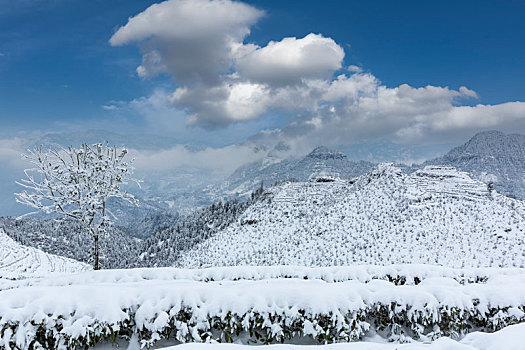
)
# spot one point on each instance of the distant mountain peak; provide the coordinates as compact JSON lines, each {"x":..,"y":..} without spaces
{"x":322,"y":152}
{"x":490,"y":143}
{"x":282,"y":146}
{"x":491,"y":154}
{"x":386,"y":171}
{"x":488,"y":133}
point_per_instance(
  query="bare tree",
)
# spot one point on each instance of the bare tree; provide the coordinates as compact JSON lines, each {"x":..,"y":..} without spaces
{"x":76,"y":183}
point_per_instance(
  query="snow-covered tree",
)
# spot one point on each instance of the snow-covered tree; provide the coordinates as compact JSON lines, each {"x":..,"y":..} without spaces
{"x":76,"y":183}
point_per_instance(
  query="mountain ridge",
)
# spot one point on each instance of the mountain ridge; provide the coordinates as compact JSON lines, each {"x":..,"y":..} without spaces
{"x":491,"y":156}
{"x":269,"y":171}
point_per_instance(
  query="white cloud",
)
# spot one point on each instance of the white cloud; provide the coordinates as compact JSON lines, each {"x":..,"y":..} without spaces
{"x":198,"y":42}
{"x":349,"y":87}
{"x":354,"y":69}
{"x":224,"y":104}
{"x":481,"y":116}
{"x":221,"y":161}
{"x":359,"y":108}
{"x":292,"y":60}
{"x":467,"y":92}
{"x":11,"y":151}
{"x":223,"y":80}
{"x":110,"y":107}
{"x":192,"y":40}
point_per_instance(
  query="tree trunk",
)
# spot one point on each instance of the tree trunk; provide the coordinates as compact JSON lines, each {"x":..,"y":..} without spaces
{"x":97,"y":267}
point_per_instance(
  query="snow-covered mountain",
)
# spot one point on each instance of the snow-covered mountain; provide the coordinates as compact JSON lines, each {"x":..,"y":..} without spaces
{"x":273,"y":169}
{"x":488,"y":156}
{"x":491,"y":156}
{"x":436,"y":215}
{"x":18,"y":261}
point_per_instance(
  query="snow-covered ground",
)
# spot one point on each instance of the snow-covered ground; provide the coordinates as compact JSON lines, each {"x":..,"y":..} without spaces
{"x":276,"y":303}
{"x":407,"y":274}
{"x":509,"y":338}
{"x":18,"y":261}
{"x":436,"y":215}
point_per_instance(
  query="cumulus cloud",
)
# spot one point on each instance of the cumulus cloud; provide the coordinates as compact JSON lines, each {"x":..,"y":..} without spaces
{"x":222,"y":80}
{"x":359,"y":108}
{"x":221,"y":105}
{"x":291,"y":61}
{"x":467,"y":92}
{"x":192,"y":40}
{"x":481,"y":116}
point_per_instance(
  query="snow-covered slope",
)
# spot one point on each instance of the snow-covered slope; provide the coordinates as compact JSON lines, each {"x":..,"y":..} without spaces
{"x":18,"y":261}
{"x":402,"y":274}
{"x":492,"y":156}
{"x":273,"y":169}
{"x":67,"y":239}
{"x":508,"y":338}
{"x":436,"y":215}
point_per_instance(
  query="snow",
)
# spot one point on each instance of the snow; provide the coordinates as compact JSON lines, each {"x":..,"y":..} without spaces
{"x":406,"y":274}
{"x":436,"y":215}
{"x":151,"y":301}
{"x":509,"y":338}
{"x":18,"y":261}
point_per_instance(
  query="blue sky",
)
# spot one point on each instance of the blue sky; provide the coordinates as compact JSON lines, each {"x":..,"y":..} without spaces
{"x":57,"y":68}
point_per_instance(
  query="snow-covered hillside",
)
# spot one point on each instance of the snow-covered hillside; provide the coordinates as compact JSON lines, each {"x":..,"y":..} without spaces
{"x":492,"y":156}
{"x":436,"y":215}
{"x":67,"y":239}
{"x":18,"y":261}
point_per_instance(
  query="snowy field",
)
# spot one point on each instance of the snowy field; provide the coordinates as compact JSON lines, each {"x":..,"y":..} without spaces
{"x":159,"y":307}
{"x":18,"y":261}
{"x":509,"y":338}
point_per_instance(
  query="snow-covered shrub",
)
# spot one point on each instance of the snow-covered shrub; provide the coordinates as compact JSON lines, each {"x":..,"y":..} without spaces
{"x":118,"y":305}
{"x":185,"y":326}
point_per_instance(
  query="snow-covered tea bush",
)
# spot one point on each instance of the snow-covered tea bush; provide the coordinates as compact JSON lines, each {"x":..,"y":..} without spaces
{"x":82,"y":310}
